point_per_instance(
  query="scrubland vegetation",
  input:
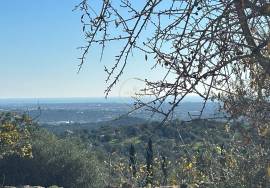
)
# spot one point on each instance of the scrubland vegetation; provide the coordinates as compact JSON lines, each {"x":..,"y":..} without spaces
{"x":53,"y":161}
{"x":200,"y":153}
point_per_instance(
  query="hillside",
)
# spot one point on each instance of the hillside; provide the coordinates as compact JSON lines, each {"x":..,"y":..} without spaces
{"x":132,"y":151}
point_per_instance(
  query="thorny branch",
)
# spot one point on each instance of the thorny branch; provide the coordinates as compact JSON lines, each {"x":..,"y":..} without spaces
{"x":216,"y":49}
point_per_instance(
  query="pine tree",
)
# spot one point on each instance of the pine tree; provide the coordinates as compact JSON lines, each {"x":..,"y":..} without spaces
{"x":132,"y":159}
{"x":149,"y":163}
{"x":164,"y":169}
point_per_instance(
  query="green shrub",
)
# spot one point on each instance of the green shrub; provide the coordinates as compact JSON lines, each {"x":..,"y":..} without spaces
{"x":62,"y":162}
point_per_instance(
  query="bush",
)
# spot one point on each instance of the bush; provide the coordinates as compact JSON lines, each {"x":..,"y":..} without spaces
{"x":62,"y":162}
{"x":14,"y":134}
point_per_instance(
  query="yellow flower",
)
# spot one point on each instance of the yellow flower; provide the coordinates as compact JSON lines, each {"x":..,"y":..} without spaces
{"x":188,"y":166}
{"x":26,"y":151}
{"x":231,"y":161}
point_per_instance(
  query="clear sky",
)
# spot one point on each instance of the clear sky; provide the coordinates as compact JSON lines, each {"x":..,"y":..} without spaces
{"x":38,"y":55}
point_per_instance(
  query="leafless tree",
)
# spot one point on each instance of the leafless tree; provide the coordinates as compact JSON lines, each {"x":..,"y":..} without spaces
{"x":217,"y":49}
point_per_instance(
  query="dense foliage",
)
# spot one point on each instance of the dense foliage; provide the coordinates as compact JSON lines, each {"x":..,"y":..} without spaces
{"x":63,"y":162}
{"x":197,"y":153}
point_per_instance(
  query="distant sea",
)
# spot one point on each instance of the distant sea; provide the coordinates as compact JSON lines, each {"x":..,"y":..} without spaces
{"x":7,"y":101}
{"x":64,"y":100}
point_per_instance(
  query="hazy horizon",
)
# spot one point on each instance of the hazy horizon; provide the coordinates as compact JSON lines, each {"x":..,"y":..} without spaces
{"x":112,"y":99}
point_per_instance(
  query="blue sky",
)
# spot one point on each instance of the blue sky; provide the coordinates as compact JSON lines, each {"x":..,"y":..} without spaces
{"x":38,"y":55}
